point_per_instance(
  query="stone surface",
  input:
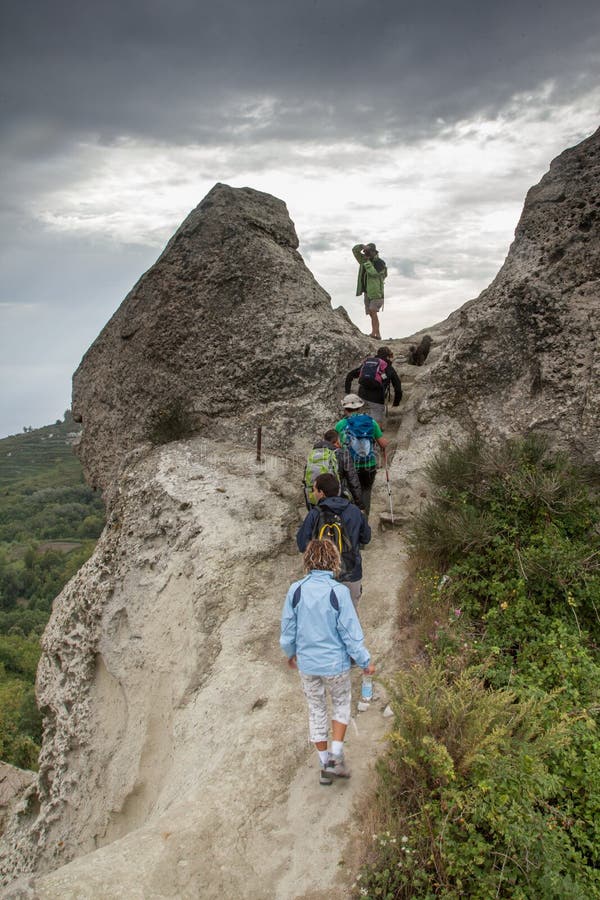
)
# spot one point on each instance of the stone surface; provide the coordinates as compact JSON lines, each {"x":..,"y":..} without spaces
{"x":229,"y":323}
{"x":175,"y":760}
{"x":525,"y":354}
{"x":13,"y":783}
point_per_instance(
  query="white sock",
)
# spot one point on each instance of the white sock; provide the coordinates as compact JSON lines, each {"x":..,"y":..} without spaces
{"x":323,"y":756}
{"x":337,"y":748}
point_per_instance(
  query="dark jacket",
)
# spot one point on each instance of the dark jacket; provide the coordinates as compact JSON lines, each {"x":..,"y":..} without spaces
{"x":346,"y":472}
{"x":379,"y":393}
{"x":356,"y":526}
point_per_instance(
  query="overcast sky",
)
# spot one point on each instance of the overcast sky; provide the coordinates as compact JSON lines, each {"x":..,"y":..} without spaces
{"x":417,"y":125}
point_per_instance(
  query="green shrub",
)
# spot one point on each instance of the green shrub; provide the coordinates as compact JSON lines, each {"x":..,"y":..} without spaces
{"x":20,"y":724}
{"x":491,"y":783}
{"x":467,"y":794}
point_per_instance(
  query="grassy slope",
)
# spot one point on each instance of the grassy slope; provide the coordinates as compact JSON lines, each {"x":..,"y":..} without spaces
{"x":49,"y":522}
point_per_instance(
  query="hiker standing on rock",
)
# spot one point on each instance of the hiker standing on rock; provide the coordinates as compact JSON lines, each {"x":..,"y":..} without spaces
{"x":371,"y":275}
{"x":320,"y":634}
{"x":341,"y":521}
{"x":376,"y":376}
{"x":359,"y":433}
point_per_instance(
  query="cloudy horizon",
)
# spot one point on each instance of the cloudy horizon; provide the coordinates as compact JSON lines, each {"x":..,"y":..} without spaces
{"x":421,"y":128}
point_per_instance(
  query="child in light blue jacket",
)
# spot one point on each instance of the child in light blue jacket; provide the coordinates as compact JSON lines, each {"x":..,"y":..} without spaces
{"x":321,"y":635}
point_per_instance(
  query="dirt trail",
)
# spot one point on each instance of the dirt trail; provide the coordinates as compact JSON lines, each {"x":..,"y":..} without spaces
{"x":313,"y":829}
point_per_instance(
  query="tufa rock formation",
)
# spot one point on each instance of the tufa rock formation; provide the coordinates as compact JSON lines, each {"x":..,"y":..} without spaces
{"x":524,"y":356}
{"x":175,"y":761}
{"x":229,"y":329}
{"x":13,"y":783}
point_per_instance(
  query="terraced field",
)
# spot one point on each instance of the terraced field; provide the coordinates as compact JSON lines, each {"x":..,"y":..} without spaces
{"x":44,"y":453}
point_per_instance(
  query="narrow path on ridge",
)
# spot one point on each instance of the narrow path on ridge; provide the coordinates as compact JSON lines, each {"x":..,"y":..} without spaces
{"x":314,"y":827}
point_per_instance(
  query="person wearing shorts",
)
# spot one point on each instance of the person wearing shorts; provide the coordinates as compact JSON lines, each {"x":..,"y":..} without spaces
{"x":366,"y":468}
{"x":321,"y":635}
{"x":372,"y":273}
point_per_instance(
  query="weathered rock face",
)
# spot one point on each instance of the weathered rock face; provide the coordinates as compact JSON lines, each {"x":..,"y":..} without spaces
{"x":13,"y":782}
{"x":166,"y":704}
{"x":525,"y":354}
{"x":161,"y":676}
{"x":230,"y":325}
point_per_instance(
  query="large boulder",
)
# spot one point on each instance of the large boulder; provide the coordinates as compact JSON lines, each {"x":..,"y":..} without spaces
{"x":227,"y":331}
{"x":524,"y":355}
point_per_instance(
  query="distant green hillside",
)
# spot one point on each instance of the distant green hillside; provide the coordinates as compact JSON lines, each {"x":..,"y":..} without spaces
{"x":42,"y":490}
{"x":45,"y":453}
{"x":49,"y":522}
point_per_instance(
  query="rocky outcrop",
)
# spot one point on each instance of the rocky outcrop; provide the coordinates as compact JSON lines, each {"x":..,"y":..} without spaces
{"x":227,"y":331}
{"x":525,"y":355}
{"x":159,"y":656}
{"x":166,"y":705}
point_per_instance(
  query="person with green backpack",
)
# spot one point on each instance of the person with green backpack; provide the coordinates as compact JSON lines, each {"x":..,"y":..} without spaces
{"x":359,"y":433}
{"x":329,"y":456}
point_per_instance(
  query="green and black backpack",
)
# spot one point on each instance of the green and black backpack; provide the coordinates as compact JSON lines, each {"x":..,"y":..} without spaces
{"x":321,"y":460}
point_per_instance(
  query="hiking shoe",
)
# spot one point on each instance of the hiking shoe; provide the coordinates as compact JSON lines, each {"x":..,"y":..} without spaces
{"x":336,"y":767}
{"x":324,"y":778}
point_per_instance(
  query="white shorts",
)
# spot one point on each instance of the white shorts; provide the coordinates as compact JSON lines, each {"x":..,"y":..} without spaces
{"x":315,"y":688}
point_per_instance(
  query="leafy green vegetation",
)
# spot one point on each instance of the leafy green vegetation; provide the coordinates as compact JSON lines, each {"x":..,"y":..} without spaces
{"x":490,"y":786}
{"x":49,"y":523}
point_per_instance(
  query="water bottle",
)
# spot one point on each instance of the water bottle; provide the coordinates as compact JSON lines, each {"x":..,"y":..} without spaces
{"x":366,"y":691}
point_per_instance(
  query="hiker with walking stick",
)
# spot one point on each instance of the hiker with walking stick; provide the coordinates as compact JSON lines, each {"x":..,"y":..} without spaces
{"x":359,"y":433}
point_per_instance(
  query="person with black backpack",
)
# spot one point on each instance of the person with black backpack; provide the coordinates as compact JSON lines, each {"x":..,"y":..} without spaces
{"x":336,"y":519}
{"x":359,"y":432}
{"x":376,"y":376}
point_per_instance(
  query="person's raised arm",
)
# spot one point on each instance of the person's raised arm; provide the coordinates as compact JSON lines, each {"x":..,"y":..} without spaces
{"x":357,"y":252}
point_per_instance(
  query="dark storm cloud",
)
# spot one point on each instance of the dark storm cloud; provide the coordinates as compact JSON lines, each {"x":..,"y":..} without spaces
{"x":191,"y":71}
{"x":406,"y":267}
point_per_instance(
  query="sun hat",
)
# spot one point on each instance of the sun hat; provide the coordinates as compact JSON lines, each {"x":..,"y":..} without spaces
{"x":352,"y":401}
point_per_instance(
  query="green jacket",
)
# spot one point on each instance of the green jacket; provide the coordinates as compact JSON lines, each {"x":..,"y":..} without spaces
{"x":369,"y":279}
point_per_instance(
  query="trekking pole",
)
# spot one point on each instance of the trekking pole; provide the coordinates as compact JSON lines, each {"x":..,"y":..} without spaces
{"x":389,"y":487}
